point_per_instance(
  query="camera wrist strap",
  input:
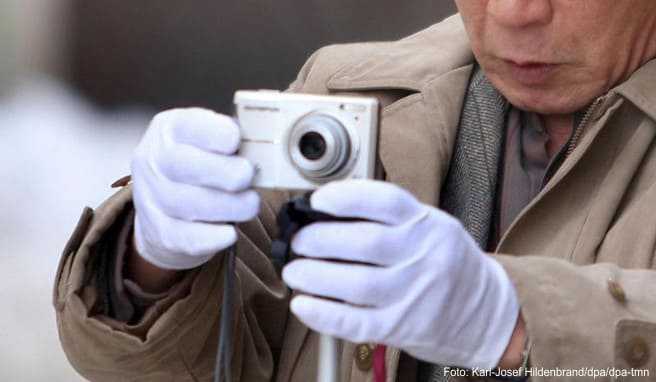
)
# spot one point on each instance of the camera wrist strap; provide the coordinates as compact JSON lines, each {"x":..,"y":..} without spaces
{"x":222,"y":369}
{"x":292,"y":217}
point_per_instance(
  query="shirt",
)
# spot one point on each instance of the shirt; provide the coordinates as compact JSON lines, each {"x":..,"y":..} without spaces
{"x":523,"y":171}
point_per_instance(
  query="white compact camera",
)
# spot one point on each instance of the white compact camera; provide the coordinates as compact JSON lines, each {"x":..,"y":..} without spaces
{"x":300,"y":141}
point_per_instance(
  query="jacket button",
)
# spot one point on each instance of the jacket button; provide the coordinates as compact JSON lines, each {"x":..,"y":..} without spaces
{"x":616,"y":291}
{"x":636,"y":352}
{"x":364,"y":356}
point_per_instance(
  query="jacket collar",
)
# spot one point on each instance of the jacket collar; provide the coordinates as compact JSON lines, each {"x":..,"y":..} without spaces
{"x":410,"y":63}
{"x":640,"y":89}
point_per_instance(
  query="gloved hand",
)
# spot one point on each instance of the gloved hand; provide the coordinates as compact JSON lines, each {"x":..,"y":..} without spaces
{"x":187,"y":184}
{"x":413,"y":278}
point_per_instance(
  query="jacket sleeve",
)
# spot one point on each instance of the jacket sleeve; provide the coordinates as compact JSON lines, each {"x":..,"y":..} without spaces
{"x":176,"y":338}
{"x":592,"y":316}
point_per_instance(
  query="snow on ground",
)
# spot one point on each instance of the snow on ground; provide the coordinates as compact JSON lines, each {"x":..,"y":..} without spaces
{"x":57,"y":155}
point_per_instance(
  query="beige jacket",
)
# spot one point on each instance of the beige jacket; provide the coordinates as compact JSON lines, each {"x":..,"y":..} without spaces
{"x":581,"y":255}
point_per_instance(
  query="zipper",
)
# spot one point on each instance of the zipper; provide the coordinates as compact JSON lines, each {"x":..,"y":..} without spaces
{"x":578,"y":132}
{"x":572,"y":143}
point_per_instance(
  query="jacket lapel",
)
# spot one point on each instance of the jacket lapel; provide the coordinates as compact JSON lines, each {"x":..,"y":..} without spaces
{"x":417,"y":135}
{"x":417,"y":132}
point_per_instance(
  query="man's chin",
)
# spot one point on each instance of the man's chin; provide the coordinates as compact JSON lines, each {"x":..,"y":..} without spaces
{"x":546,"y":99}
{"x":543,"y":102}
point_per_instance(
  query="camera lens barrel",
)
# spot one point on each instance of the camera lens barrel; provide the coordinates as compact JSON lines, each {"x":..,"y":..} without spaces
{"x":319,"y":146}
{"x":312,"y":145}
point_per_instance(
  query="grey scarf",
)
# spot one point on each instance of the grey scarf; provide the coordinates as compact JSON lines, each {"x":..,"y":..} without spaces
{"x":470,"y":187}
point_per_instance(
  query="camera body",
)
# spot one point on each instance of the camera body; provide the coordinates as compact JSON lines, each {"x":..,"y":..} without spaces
{"x":301,"y":141}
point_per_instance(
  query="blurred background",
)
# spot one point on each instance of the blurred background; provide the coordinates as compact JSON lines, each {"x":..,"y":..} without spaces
{"x":79,"y":81}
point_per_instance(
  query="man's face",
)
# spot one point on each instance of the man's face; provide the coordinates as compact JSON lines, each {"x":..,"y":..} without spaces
{"x":556,"y":56}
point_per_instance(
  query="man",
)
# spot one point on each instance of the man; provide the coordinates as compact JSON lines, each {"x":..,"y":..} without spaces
{"x":540,"y":144}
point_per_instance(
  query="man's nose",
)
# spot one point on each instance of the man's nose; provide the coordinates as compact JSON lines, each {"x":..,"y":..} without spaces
{"x":520,"y":13}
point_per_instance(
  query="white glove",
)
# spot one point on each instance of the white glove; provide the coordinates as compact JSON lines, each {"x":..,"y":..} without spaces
{"x":187,"y":184}
{"x":414,"y":278}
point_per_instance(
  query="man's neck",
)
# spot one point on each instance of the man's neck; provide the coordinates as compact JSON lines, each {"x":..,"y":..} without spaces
{"x":559,"y":128}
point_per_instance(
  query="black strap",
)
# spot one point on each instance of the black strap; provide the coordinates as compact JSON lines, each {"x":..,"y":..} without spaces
{"x":293,"y":215}
{"x":222,"y":370}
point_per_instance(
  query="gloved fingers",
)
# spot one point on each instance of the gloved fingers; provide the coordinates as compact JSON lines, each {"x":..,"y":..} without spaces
{"x":365,"y":242}
{"x":200,"y":128}
{"x":189,"y":165}
{"x":352,"y":323}
{"x":367,"y":199}
{"x":177,"y":244}
{"x":353,"y":283}
{"x":202,"y":204}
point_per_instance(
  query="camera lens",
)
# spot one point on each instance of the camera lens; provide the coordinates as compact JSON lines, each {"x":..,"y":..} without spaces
{"x":312,"y":145}
{"x":319,"y":147}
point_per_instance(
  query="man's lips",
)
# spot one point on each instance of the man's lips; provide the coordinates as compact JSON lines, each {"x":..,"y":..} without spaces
{"x":529,"y":73}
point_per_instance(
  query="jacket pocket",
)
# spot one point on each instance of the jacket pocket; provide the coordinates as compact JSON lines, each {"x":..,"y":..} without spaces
{"x":635,"y":350}
{"x":66,"y":259}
